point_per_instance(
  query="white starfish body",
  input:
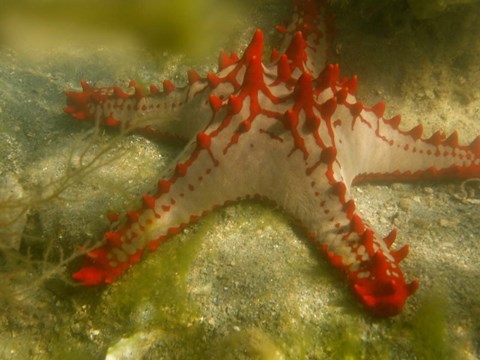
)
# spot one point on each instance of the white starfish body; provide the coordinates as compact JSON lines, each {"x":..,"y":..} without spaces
{"x":289,"y":132}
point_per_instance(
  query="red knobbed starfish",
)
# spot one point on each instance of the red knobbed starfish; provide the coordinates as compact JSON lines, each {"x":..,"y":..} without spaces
{"x":289,"y":131}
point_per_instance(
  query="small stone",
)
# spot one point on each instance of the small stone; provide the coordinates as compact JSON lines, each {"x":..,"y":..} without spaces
{"x":430,"y":94}
{"x":399,"y":186}
{"x":133,"y":347}
{"x":444,"y":222}
{"x":428,"y":190}
{"x":405,"y":204}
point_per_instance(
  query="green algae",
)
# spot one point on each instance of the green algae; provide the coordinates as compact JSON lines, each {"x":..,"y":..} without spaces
{"x":180,"y":26}
{"x":429,"y":335}
{"x":160,"y":280}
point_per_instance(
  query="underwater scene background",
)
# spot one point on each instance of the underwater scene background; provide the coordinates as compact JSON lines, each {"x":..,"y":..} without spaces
{"x":243,"y":282}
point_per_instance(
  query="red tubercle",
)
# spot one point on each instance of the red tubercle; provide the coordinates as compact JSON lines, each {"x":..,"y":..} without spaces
{"x":136,"y":257}
{"x":323,"y":248}
{"x":85,"y":87}
{"x":352,"y":85}
{"x":452,"y":140}
{"x":203,"y":143}
{"x":193,"y":76}
{"x":355,"y":110}
{"x":275,"y":55}
{"x":234,"y":105}
{"x":119,"y":93}
{"x":328,"y":77}
{"x":284,"y":74}
{"x":390,"y":238}
{"x":215,"y":103}
{"x":327,"y":109}
{"x":328,"y":155}
{"x":174,"y":230}
{"x":154,"y":90}
{"x":181,"y":169}
{"x":139,"y":93}
{"x":163,"y":186}
{"x":436,"y":139}
{"x":394,"y":122}
{"x":224,"y":60}
{"x":149,"y":201}
{"x":400,"y":254}
{"x":114,"y":238}
{"x":339,"y":189}
{"x":349,"y":209}
{"x":416,"y":132}
{"x":281,"y":29}
{"x":90,"y":276}
{"x":72,"y":111}
{"x":154,"y":244}
{"x":303,"y":92}
{"x":113,"y":216}
{"x":244,"y":126}
{"x":367,"y":240}
{"x":213,"y":80}
{"x":132,"y":217}
{"x":203,"y":140}
{"x":356,"y":225}
{"x":475,"y":147}
{"x":168,"y":87}
{"x":379,"y":109}
{"x":254,"y":49}
{"x":342,"y":94}
{"x":335,"y":260}
{"x":253,"y":79}
{"x":296,"y":51}
{"x":112,"y":122}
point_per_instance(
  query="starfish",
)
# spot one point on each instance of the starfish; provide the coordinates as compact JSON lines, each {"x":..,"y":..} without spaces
{"x":290,"y":132}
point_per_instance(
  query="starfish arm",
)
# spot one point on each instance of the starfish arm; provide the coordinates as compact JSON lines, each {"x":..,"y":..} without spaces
{"x":172,"y":113}
{"x":307,"y":37}
{"x":158,"y":113}
{"x":404,"y":155}
{"x":367,"y":261}
{"x":382,"y":151}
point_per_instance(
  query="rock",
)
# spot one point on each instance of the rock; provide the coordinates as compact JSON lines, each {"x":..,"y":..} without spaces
{"x":133,"y":347}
